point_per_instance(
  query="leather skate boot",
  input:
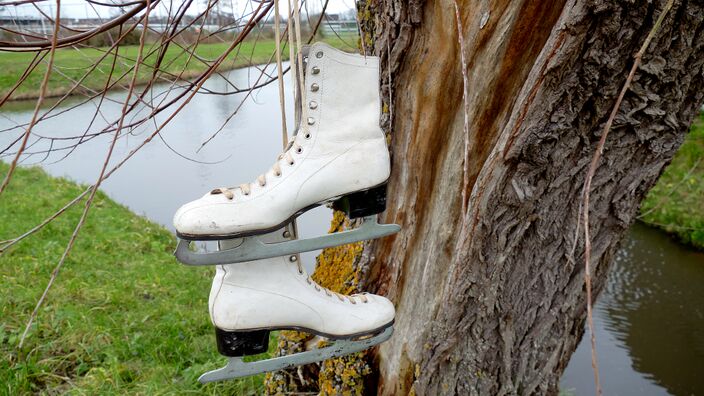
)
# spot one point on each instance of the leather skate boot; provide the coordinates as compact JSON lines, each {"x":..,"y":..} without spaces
{"x":250,"y":299}
{"x":339,"y":150}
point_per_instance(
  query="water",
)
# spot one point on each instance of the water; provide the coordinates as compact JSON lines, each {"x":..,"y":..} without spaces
{"x":158,"y":179}
{"x":649,"y":320}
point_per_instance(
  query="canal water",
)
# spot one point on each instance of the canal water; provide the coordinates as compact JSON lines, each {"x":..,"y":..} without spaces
{"x":649,"y":320}
{"x":171,"y":170}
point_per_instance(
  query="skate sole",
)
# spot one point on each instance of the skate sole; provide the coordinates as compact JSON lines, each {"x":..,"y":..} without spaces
{"x":333,"y":337}
{"x":237,"y":368}
{"x":253,"y":248}
{"x":217,"y":237}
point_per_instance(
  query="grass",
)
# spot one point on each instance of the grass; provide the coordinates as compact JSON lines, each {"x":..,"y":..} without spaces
{"x":123,"y":316}
{"x":676,"y":203}
{"x":71,"y":64}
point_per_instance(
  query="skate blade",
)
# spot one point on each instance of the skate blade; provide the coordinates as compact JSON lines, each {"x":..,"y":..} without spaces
{"x":252,"y":248}
{"x":236,"y":368}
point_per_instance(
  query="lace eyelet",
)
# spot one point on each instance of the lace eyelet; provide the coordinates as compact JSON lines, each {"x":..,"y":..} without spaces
{"x":291,"y":163}
{"x":307,"y":135}
{"x":299,"y":150}
{"x":277,"y":174}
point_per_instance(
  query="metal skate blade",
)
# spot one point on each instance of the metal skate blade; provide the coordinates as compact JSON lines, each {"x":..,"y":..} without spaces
{"x":252,"y":248}
{"x":236,"y":368}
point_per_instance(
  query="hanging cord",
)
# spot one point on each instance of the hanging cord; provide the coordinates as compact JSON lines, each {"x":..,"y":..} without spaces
{"x":295,"y":77}
{"x":282,"y":97}
{"x":297,"y":64}
{"x":279,"y":67}
{"x":299,"y":57}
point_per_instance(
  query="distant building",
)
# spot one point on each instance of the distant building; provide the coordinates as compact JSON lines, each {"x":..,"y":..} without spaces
{"x":340,"y":24}
{"x":332,"y":24}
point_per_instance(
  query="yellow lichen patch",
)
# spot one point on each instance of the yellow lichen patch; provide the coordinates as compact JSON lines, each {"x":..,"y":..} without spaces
{"x":338,"y":271}
{"x":344,"y":376}
{"x":282,"y":382}
{"x":364,"y":16}
{"x":336,"y":267}
{"x":294,"y":336}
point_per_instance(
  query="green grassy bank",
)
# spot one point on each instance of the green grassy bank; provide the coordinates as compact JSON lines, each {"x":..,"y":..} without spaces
{"x":71,"y":65}
{"x":123,"y":316}
{"x":676,"y":203}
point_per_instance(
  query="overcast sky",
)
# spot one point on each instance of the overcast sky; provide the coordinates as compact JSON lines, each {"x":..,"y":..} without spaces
{"x":82,"y":9}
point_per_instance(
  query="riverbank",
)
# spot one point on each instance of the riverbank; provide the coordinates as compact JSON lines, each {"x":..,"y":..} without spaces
{"x":123,"y":316}
{"x":676,"y":203}
{"x":71,"y":65}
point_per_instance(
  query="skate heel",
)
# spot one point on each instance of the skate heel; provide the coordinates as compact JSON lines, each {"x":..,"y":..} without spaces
{"x":363,"y":203}
{"x":241,"y":343}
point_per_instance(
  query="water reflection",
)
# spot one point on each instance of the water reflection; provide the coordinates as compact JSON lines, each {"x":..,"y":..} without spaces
{"x":158,"y":179}
{"x":649,"y":322}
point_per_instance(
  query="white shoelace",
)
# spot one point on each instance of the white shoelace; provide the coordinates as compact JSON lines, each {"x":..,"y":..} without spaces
{"x":328,"y":292}
{"x":246,"y":188}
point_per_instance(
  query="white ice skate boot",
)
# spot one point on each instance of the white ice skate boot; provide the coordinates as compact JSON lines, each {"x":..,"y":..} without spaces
{"x":339,"y":150}
{"x":250,"y":299}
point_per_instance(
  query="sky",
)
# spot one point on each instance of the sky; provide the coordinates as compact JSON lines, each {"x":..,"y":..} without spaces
{"x":82,"y":9}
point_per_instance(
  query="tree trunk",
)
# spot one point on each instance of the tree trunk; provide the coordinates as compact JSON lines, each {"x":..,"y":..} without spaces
{"x":490,"y":298}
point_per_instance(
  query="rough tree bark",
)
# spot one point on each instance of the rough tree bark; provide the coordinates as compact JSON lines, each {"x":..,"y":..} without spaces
{"x":491,"y":300}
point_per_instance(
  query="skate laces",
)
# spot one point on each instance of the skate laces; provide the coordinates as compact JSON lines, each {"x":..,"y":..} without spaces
{"x":246,"y":188}
{"x":330,"y":293}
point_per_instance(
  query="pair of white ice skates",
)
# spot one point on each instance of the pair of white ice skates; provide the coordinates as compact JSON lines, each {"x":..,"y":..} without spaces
{"x":338,"y":155}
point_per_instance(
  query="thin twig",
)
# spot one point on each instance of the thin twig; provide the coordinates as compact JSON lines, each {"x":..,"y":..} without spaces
{"x":30,"y":46}
{"x":465,"y":87}
{"x":588,"y":182}
{"x":7,"y":244}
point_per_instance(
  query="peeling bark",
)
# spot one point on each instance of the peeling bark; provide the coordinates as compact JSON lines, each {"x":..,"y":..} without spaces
{"x":492,"y":301}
